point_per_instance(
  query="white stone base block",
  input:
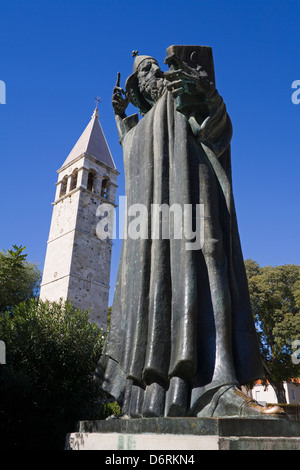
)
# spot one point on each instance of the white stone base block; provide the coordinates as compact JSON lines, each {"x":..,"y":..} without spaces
{"x":114,"y":441}
{"x":185,"y":434}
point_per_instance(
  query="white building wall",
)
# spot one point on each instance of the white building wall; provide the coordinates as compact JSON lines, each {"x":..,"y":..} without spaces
{"x":293,"y":393}
{"x":266,"y":394}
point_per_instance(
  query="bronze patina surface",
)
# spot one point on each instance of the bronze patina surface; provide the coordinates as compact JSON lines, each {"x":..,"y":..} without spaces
{"x":182,"y":338}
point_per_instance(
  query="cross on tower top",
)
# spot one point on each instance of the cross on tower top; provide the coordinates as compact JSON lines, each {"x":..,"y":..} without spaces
{"x":98,"y":100}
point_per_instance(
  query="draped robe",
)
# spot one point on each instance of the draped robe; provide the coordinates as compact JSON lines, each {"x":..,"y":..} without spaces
{"x":181,"y":322}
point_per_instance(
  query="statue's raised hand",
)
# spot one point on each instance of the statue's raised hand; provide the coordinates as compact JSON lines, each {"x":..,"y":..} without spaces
{"x":119,"y":102}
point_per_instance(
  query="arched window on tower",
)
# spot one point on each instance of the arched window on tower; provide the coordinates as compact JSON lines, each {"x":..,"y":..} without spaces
{"x":91,"y":181}
{"x":104,"y":188}
{"x":63,"y":186}
{"x":74,"y":178}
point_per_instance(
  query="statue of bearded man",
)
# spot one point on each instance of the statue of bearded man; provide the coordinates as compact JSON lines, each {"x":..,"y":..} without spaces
{"x":182,"y":338}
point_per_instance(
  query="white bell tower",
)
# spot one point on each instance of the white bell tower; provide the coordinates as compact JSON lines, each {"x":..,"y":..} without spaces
{"x":77,"y":263}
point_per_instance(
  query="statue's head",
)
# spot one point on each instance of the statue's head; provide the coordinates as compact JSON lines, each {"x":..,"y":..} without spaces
{"x":150,"y":80}
{"x":146,"y":84}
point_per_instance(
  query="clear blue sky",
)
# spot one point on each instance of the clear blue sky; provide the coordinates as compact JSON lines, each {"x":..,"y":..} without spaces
{"x":56,"y":56}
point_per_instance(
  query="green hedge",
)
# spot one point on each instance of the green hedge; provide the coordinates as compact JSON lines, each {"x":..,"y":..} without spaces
{"x":47,"y":383}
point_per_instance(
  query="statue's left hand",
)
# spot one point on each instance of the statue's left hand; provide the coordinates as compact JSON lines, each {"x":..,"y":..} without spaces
{"x":187,"y":80}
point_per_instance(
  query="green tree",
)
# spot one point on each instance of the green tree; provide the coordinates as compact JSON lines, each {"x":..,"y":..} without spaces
{"x":109,"y":310}
{"x":19,"y":279}
{"x":47,"y":383}
{"x":275,"y":299}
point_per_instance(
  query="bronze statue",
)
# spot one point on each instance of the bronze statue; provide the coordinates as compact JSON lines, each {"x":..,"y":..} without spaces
{"x":182,"y":338}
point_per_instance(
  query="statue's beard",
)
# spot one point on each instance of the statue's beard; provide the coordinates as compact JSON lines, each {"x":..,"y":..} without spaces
{"x":152,"y":89}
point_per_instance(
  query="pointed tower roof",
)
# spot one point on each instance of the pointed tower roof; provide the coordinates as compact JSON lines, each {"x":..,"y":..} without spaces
{"x":92,"y":142}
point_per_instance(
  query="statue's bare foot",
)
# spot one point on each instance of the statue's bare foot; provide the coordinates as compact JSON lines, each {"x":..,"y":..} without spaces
{"x":231,"y":402}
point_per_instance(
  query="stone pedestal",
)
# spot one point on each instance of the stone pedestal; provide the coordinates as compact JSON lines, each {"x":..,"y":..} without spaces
{"x":186,"y":434}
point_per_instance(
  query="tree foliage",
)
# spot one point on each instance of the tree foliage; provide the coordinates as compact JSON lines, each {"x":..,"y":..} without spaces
{"x":109,"y":310}
{"x":275,"y":299}
{"x":47,"y":383}
{"x":19,"y":279}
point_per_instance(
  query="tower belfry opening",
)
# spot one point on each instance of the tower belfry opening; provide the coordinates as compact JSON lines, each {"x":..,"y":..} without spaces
{"x":74,"y":178}
{"x":90,"y":181}
{"x":104,"y":188}
{"x":77,"y":263}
